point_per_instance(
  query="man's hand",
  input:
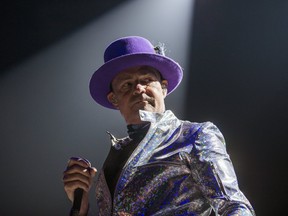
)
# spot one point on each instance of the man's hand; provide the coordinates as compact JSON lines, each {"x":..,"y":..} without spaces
{"x":79,"y":174}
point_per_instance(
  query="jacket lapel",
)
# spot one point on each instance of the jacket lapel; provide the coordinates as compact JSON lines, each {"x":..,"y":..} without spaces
{"x":103,"y":195}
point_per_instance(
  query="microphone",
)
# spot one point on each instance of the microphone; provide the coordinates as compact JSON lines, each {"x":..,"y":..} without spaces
{"x":78,"y":193}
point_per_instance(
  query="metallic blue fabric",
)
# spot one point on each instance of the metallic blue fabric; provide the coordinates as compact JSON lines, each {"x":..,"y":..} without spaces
{"x":179,"y":168}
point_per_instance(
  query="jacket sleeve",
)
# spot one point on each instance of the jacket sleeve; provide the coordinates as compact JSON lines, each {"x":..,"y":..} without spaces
{"x":214,"y":172}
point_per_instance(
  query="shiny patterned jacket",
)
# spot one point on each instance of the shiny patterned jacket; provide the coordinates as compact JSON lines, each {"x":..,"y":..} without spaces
{"x":179,"y":168}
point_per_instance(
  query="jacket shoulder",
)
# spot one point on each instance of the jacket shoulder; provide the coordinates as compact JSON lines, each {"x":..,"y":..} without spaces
{"x":194,"y":127}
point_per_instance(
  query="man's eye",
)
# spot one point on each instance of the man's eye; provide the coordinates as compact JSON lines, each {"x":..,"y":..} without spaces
{"x":147,"y":80}
{"x":126,"y":86}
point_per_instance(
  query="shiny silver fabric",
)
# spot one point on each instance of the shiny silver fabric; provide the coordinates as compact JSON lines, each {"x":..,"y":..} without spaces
{"x":179,"y":168}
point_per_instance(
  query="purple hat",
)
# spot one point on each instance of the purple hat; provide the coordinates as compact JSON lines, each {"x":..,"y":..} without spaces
{"x":129,"y":52}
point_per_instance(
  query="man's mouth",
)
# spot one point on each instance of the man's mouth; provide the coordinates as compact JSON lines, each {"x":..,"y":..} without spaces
{"x":147,"y":100}
{"x":141,"y":101}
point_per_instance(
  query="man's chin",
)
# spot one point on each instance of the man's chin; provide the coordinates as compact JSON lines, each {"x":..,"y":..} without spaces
{"x":145,"y":107}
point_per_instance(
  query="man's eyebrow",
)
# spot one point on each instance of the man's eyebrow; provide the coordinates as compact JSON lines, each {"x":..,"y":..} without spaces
{"x":151,"y":70}
{"x":122,"y":78}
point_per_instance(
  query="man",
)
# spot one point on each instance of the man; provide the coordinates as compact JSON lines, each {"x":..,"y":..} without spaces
{"x":165,"y":166}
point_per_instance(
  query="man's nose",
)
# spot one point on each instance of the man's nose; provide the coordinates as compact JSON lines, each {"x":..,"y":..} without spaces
{"x":139,"y":89}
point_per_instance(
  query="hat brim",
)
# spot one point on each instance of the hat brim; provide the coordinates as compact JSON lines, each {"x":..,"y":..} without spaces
{"x":101,"y":79}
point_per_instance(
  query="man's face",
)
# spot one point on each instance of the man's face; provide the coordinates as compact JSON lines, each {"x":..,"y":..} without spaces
{"x":138,"y":88}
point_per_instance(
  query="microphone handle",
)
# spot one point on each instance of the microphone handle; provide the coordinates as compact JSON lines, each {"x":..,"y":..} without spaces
{"x":78,"y":193}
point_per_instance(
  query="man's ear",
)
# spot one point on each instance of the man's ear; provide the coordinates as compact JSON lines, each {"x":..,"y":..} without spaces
{"x":112,"y":99}
{"x":164,"y":85}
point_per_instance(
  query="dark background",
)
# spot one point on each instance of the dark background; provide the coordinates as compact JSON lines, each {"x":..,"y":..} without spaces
{"x":239,"y":65}
{"x":237,"y":77}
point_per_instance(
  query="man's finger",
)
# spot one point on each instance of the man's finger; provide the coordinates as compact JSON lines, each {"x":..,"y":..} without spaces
{"x":80,"y":161}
